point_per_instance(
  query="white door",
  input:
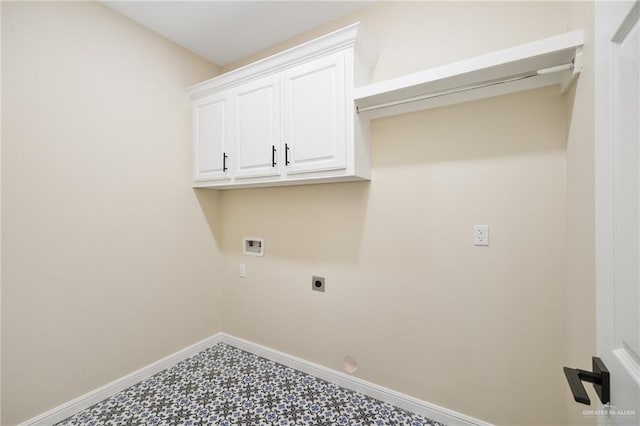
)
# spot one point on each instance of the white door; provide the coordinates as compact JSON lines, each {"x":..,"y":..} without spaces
{"x":314,"y":115}
{"x":211,"y":138}
{"x":256,"y":130}
{"x":617,"y":85}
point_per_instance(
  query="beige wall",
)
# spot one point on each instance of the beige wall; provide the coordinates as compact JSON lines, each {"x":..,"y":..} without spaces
{"x":581,"y":309}
{"x":478,"y":330}
{"x":108,"y":263}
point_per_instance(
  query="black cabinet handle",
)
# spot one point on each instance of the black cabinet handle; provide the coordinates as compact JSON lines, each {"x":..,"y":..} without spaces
{"x":599,"y":377}
{"x":286,"y":154}
{"x":273,"y":155}
{"x":224,"y":162}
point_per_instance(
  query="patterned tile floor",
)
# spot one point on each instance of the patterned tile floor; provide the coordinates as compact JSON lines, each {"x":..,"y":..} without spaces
{"x":224,"y":385}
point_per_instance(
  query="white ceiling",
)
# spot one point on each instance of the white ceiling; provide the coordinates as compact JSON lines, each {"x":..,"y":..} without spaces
{"x":225,"y":31}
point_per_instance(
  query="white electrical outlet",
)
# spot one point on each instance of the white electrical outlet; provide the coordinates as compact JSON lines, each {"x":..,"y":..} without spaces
{"x":243,"y":270}
{"x":481,"y":235}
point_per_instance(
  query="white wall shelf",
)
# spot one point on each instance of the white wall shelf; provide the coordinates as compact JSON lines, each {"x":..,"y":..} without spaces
{"x":546,"y":62}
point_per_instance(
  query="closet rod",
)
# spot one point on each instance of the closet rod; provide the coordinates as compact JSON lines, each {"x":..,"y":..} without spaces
{"x":550,"y":70}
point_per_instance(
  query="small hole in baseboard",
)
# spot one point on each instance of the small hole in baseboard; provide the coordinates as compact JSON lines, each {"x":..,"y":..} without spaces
{"x":350,"y":364}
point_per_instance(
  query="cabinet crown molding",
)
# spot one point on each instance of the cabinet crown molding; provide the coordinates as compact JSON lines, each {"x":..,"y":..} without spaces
{"x":344,"y":38}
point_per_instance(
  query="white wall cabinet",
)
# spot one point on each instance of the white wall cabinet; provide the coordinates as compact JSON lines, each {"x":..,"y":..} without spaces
{"x":315,"y":131}
{"x":287,"y":119}
{"x":256,"y":128}
{"x":211,"y":137}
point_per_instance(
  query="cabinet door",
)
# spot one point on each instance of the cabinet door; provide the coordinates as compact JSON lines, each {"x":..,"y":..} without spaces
{"x":314,"y":115}
{"x":257,"y":128}
{"x":211,"y":138}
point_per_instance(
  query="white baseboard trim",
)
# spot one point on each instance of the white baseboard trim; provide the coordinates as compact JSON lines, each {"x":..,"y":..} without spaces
{"x":426,"y":409}
{"x":85,"y":401}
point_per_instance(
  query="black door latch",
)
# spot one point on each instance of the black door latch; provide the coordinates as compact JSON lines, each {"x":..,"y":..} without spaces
{"x":599,"y":377}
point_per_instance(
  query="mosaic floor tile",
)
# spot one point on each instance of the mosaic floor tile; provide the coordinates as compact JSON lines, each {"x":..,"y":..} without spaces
{"x":224,"y":386}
